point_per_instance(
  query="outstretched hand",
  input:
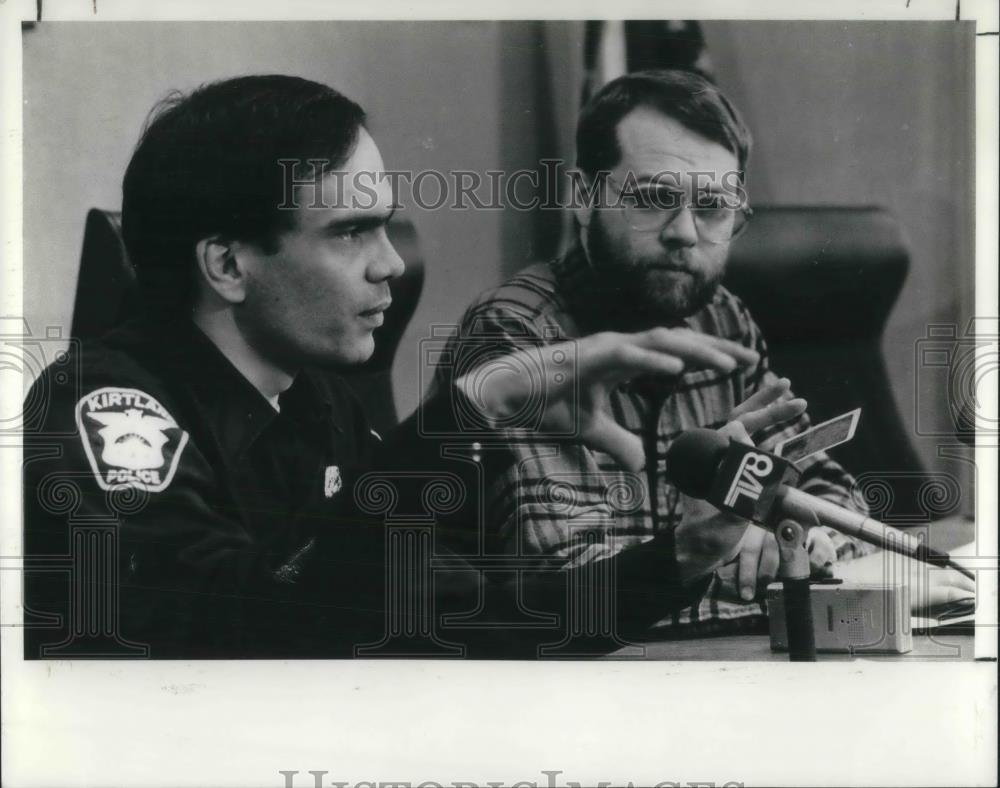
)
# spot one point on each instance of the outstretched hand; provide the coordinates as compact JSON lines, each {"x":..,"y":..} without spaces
{"x":563,"y":389}
{"x":757,"y":566}
{"x":771,"y":405}
{"x":708,"y":539}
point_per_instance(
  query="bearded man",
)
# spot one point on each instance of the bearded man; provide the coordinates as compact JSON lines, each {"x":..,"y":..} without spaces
{"x":661,"y":157}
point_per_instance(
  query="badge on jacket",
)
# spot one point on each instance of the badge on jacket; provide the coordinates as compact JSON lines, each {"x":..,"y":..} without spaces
{"x":130,"y":439}
{"x":332,"y":481}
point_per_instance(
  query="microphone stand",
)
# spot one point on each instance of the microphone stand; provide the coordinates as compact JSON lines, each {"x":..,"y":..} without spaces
{"x":793,"y":569}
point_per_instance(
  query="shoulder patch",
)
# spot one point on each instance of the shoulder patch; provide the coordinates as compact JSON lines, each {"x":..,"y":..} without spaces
{"x":130,"y":439}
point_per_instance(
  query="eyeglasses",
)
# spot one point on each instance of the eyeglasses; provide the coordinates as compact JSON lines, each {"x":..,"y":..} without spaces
{"x":718,"y":218}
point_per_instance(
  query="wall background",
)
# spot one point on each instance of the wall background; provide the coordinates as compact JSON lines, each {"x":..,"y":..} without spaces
{"x":842,"y":113}
{"x":871,"y":113}
{"x":436,"y":100}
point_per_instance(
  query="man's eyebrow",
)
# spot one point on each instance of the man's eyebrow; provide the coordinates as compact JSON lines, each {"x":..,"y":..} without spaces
{"x":658,"y":178}
{"x":665,"y":183}
{"x":360,"y":221}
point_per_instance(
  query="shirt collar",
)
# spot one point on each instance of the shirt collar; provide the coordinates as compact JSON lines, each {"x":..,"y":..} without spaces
{"x":235,"y":410}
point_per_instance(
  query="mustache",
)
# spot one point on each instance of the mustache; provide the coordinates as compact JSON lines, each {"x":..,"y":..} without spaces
{"x":669,"y":261}
{"x":617,"y":263}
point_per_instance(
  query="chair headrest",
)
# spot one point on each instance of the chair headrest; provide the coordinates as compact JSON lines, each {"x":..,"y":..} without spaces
{"x":811,"y":273}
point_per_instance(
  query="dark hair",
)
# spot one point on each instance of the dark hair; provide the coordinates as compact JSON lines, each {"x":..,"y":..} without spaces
{"x":208,"y":163}
{"x":684,"y":96}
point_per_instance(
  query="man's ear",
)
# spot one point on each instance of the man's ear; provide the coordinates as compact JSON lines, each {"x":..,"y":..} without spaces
{"x":221,"y":269}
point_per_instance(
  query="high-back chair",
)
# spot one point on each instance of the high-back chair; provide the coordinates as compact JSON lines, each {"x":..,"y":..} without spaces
{"x":821,"y":283}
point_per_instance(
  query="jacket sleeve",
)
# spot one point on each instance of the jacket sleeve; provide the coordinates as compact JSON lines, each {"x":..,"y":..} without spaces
{"x":445,"y":437}
{"x":156,"y":560}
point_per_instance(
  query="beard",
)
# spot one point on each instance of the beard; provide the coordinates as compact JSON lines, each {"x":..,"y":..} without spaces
{"x":651,"y":291}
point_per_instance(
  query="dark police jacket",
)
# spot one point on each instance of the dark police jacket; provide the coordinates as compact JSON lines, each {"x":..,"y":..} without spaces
{"x":171,"y":511}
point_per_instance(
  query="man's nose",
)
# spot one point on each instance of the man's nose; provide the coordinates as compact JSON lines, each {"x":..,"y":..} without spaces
{"x":386,"y":263}
{"x":681,"y":229}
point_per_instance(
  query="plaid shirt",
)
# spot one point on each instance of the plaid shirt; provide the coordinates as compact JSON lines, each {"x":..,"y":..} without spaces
{"x":538,"y":499}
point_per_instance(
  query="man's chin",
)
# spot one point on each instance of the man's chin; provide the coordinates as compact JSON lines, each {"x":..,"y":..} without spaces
{"x":665,"y":296}
{"x":345,"y":354}
{"x":359,"y":352}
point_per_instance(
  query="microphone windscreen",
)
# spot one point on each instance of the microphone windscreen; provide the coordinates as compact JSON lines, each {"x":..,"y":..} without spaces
{"x":693,"y":460}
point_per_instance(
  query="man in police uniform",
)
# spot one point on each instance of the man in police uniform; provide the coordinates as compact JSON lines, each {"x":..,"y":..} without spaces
{"x":208,"y":436}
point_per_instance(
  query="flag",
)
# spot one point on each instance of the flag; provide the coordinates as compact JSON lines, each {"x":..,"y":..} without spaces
{"x":613,"y":47}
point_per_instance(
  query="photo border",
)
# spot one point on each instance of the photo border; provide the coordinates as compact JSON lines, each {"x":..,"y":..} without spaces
{"x":240,"y":723}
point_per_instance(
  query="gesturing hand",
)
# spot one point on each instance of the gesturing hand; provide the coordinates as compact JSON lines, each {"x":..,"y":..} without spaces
{"x":770,"y":406}
{"x":708,"y":538}
{"x":758,"y":550}
{"x":757,"y":564}
{"x":563,"y":389}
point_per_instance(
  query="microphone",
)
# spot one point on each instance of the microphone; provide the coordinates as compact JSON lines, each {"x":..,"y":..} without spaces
{"x":754,"y":485}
